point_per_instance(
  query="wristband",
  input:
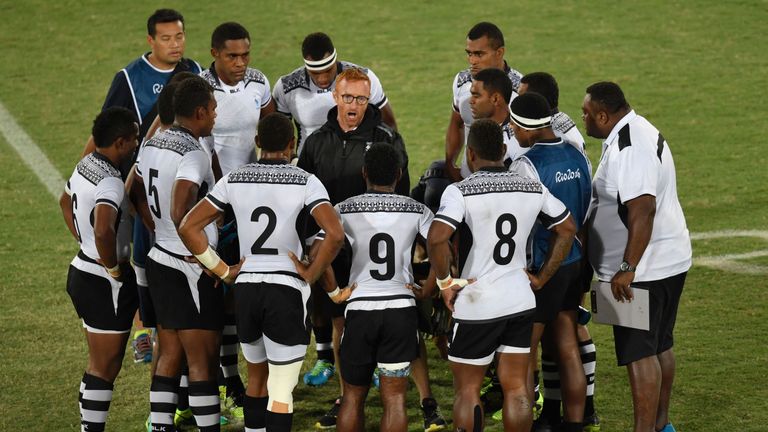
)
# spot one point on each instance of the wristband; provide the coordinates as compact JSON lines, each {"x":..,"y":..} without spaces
{"x":333,"y":293}
{"x":209,"y":258}
{"x":224,"y":276}
{"x":114,"y":271}
{"x":449,"y":281}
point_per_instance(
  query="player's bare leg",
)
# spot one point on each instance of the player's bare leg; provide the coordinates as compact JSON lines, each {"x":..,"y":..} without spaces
{"x":667,"y":362}
{"x":572,"y":379}
{"x":467,"y":380}
{"x":645,"y":380}
{"x":351,"y":415}
{"x":255,"y":401}
{"x":393,"y":399}
{"x":513,"y":376}
{"x":105,"y":354}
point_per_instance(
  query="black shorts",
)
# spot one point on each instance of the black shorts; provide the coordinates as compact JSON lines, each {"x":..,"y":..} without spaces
{"x":321,"y":303}
{"x":477,"y":343}
{"x":562,"y":292}
{"x":104,"y":305}
{"x":146,"y":308}
{"x":277,"y":311}
{"x":663,"y":298}
{"x":184,"y":296}
{"x":372,"y":337}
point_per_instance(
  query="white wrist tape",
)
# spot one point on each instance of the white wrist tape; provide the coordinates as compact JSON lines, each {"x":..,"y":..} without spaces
{"x":210,"y":259}
{"x":449,"y":281}
{"x":334,"y":293}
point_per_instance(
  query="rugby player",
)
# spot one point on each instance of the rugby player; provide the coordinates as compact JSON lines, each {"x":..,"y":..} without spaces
{"x":381,"y":325}
{"x":485,"y":49}
{"x":175,"y":172}
{"x":100,"y":281}
{"x":564,"y":170}
{"x":271,"y":201}
{"x":492,"y":300}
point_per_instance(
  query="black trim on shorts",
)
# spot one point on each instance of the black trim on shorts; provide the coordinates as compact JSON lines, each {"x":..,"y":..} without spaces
{"x":383,"y":298}
{"x":84,"y":257}
{"x":175,"y":255}
{"x":501,"y":318}
{"x":285,"y":362}
{"x":279,"y":272}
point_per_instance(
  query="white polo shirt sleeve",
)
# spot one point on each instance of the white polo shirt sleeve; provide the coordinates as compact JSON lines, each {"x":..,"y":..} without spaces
{"x":638,"y":172}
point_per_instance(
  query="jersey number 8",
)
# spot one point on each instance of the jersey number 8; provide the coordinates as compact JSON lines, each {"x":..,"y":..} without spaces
{"x":506,"y":237}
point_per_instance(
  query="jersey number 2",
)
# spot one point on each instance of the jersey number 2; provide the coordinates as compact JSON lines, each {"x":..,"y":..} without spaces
{"x":388,"y":259}
{"x":257,"y":248}
{"x":506,"y":237}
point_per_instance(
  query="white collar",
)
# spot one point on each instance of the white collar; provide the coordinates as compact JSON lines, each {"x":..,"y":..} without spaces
{"x":631,"y":115}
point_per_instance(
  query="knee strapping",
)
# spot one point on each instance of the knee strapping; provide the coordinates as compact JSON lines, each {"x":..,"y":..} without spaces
{"x":280,"y":384}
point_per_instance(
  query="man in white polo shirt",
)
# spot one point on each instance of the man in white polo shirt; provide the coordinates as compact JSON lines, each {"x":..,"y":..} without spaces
{"x":638,"y":236}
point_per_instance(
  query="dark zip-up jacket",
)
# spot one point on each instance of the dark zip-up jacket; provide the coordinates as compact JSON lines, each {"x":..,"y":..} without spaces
{"x":336,"y":157}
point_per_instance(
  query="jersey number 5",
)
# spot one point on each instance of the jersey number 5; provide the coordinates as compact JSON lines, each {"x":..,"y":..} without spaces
{"x":506,"y":237}
{"x":153,"y":174}
{"x":388,"y":259}
{"x":257,"y":248}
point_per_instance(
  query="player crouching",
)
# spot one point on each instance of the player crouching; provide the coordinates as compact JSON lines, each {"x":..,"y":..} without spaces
{"x":100,"y":282}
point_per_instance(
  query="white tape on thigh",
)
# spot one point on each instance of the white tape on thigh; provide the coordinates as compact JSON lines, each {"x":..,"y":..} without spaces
{"x":281,"y":382}
{"x":254,"y":352}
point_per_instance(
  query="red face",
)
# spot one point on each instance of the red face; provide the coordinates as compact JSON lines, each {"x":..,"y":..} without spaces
{"x":348,"y":97}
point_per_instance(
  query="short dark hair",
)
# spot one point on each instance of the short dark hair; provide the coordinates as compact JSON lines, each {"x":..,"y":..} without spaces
{"x":489,"y":30}
{"x":608,"y":95}
{"x":495,"y":81}
{"x":486,"y":139}
{"x":165,"y":98}
{"x":316,"y":45}
{"x":113,"y":123}
{"x":275,"y":132}
{"x":163,"y":16}
{"x":189,"y":95}
{"x":228,"y":31}
{"x":545,"y":85}
{"x":381,"y":163}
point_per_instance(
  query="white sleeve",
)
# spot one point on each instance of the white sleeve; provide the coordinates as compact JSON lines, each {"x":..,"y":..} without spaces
{"x":315,"y":194}
{"x":524,"y":168}
{"x":194,"y":166}
{"x":378,"y":97}
{"x":638,"y":172}
{"x":110,"y":191}
{"x":452,"y":207}
{"x":455,"y":89}
{"x":219,"y":195}
{"x":425,"y":220}
{"x":553,"y":211}
{"x":279,"y":96}
{"x":265,"y":95}
{"x":68,"y":187}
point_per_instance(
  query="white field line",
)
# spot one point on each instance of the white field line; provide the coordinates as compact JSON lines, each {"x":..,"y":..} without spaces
{"x":30,"y":153}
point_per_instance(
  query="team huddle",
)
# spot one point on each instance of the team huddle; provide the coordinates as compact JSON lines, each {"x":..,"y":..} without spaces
{"x":235,"y":216}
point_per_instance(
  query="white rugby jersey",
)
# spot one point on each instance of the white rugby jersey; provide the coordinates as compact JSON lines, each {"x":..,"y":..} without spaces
{"x":381,"y":229}
{"x":95,"y":181}
{"x":494,"y":211}
{"x":462,"y":83}
{"x":566,"y":129}
{"x":237,"y":116}
{"x":271,"y":201}
{"x":171,"y":155}
{"x":297,"y":96}
{"x":636,"y":161}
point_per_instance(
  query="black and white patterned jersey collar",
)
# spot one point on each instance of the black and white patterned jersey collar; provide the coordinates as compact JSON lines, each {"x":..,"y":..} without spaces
{"x":95,"y":167}
{"x":251,"y":75}
{"x":269,"y":173}
{"x":562,"y":123}
{"x":373,"y":202}
{"x":175,"y":139}
{"x":465,"y":76}
{"x":493,"y":181}
{"x":299,"y":78}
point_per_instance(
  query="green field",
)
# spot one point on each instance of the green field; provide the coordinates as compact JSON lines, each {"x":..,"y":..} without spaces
{"x":697,"y":70}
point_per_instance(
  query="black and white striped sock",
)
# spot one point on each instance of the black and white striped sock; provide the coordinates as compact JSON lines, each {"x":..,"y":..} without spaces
{"x":228,"y":359}
{"x":255,"y":410}
{"x":80,"y":398}
{"x":589,"y":361}
{"x":183,"y":401}
{"x":97,"y":396}
{"x":163,"y":397}
{"x":279,"y":422}
{"x":204,"y":401}
{"x":551,"y":380}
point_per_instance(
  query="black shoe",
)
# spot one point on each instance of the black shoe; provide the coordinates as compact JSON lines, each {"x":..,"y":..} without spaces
{"x":328,"y":421}
{"x":433,"y":420}
{"x":542,"y":425}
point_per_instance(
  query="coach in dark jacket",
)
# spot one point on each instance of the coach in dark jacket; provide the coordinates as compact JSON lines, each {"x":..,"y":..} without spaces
{"x":334,"y":153}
